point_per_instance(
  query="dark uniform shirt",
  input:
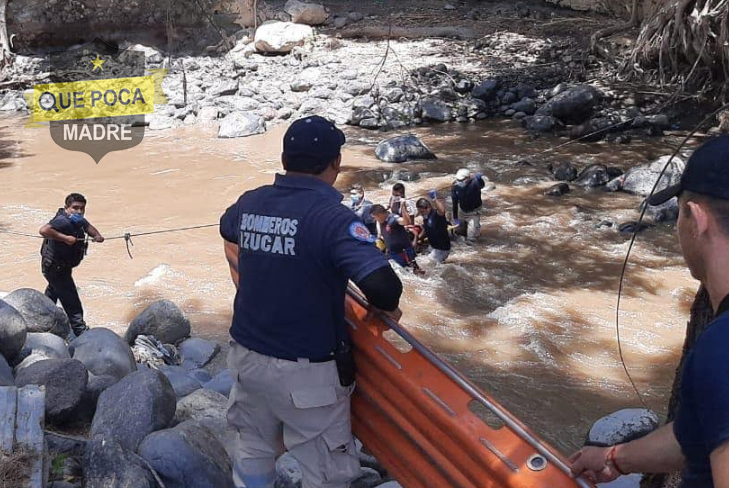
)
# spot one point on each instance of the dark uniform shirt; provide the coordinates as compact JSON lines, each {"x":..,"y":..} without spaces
{"x":395,"y":235}
{"x":299,"y":246}
{"x":436,"y":229}
{"x":702,"y":422}
{"x":59,"y":252}
{"x":466,"y":195}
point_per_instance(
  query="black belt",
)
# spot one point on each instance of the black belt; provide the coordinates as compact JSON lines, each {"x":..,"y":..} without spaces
{"x":324,"y":359}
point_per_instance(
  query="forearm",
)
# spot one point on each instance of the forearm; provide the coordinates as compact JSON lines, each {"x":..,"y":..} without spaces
{"x":405,"y":218}
{"x":658,"y":452}
{"x":50,"y":233}
{"x":231,"y":255}
{"x":93,"y":231}
{"x":382,"y":288}
{"x":439,"y":207}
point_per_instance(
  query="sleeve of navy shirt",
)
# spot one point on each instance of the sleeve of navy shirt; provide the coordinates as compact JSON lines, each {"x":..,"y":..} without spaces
{"x":710,"y":381}
{"x":353,"y":249}
{"x":229,"y":224}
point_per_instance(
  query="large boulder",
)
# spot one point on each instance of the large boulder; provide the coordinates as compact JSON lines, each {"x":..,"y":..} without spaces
{"x":402,"y":148}
{"x":201,"y":404}
{"x":84,"y":413}
{"x":65,"y":381}
{"x":564,"y":171}
{"x":281,"y":37}
{"x":186,"y":456}
{"x":103,"y":352}
{"x":182,"y":383}
{"x":221,"y":382}
{"x":12,"y":331}
{"x":573,"y":106}
{"x":139,"y":404}
{"x":107,"y":465}
{"x":435,"y":110}
{"x":486,"y":90}
{"x":39,"y":312}
{"x":640,"y":179}
{"x":198,"y":351}
{"x":539,"y":123}
{"x":162,"y":319}
{"x":6,"y":373}
{"x":50,"y":345}
{"x":622,"y":426}
{"x":241,"y":124}
{"x":306,"y":13}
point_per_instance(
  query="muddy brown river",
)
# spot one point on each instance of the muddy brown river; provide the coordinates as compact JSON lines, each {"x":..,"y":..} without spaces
{"x":528,"y":313}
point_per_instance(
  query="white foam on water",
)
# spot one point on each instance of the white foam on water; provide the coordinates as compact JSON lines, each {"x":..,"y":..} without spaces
{"x":157,"y":276}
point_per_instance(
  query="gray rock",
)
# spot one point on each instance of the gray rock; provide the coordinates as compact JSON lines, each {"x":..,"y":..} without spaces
{"x":509,"y":98}
{"x":84,"y":412}
{"x":486,"y":90}
{"x":159,"y":122}
{"x":33,"y":358}
{"x":222,"y":382}
{"x":523,"y":90}
{"x":107,"y":464}
{"x":103,"y":352}
{"x":182,"y":383}
{"x":306,"y":13}
{"x":222,"y":87}
{"x":592,"y":176}
{"x":639,"y":180}
{"x":136,"y":406}
{"x":198,"y":351}
{"x":622,"y":426}
{"x":39,"y":312}
{"x":321,"y":92}
{"x":6,"y":373}
{"x":340,"y":22}
{"x":281,"y":37}
{"x":557,"y":190}
{"x":393,"y":95}
{"x":49,"y":344}
{"x":355,"y":88}
{"x":236,"y":103}
{"x":473,"y":107}
{"x":201,"y":404}
{"x":311,"y":106}
{"x":402,"y":148}
{"x":12,"y":331}
{"x":363,"y":102}
{"x":510,"y":113}
{"x":359,"y":114}
{"x":162,"y":319}
{"x":526,"y":105}
{"x":573,"y":106}
{"x":207,"y":115}
{"x":539,"y":123}
{"x":435,"y":110}
{"x":188,"y":456}
{"x":370,"y":123}
{"x":564,"y":172}
{"x":355,"y":16}
{"x":659,"y":120}
{"x":65,"y":381}
{"x":666,"y":212}
{"x":300,"y":86}
{"x":65,"y":444}
{"x":368,"y":478}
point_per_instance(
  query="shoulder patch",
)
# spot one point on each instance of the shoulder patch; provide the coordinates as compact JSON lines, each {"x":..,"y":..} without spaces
{"x":360,"y":232}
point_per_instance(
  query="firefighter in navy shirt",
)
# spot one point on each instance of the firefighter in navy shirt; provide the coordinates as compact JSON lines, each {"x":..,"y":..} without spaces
{"x":393,"y":230}
{"x":436,"y":226}
{"x":467,"y":202}
{"x":62,"y":250}
{"x":292,"y":247}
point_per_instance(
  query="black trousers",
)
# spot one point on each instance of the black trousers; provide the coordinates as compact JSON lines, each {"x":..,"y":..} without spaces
{"x":62,"y":287}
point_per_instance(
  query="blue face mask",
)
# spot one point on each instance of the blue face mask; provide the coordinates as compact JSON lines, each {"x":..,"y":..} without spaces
{"x":356,"y":199}
{"x":76,"y":218}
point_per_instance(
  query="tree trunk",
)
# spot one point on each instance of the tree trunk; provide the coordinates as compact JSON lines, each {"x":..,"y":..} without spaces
{"x":701,"y":315}
{"x":5,"y":51}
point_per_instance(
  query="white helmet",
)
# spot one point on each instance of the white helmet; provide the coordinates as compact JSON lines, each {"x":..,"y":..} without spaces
{"x":462,"y":174}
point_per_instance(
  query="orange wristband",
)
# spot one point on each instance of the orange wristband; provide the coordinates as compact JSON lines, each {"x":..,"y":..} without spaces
{"x":613,"y":461}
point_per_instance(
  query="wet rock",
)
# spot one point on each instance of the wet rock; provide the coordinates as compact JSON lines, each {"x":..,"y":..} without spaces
{"x":103,"y":352}
{"x":139,"y":404}
{"x":661,"y":121}
{"x":486,"y":90}
{"x":402,"y":148}
{"x":523,"y":90}
{"x":306,"y":13}
{"x":639,"y":180}
{"x":463,"y":86}
{"x":368,"y":478}
{"x":201,"y":404}
{"x":526,"y":105}
{"x":622,"y":426}
{"x":539,"y":123}
{"x":162,"y":319}
{"x":198,"y":351}
{"x":573,"y":106}
{"x":39,"y":312}
{"x":221,"y":382}
{"x":633,"y":226}
{"x":65,"y":381}
{"x":13,"y":332}
{"x":593,"y":176}
{"x":529,"y":180}
{"x":241,"y":124}
{"x":51,"y":346}
{"x":557,"y":190}
{"x":614,"y":172}
{"x":473,"y":107}
{"x":186,"y":456}
{"x":6,"y":373}
{"x":593,"y":130}
{"x":281,"y":37}
{"x":107,"y":464}
{"x":666,"y":212}
{"x":435,"y":110}
{"x":564,"y":171}
{"x":448,"y":94}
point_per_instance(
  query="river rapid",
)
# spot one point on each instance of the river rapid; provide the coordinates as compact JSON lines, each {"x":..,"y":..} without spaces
{"x":528,"y":314}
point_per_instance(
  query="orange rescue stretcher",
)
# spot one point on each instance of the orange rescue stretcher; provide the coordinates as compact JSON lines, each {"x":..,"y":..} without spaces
{"x":414,"y":412}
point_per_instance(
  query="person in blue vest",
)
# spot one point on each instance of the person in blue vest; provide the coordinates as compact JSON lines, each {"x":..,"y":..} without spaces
{"x":292,"y":248}
{"x":697,"y":441}
{"x":362,"y":207}
{"x":62,"y":250}
{"x":398,"y":243}
{"x":435,"y":225}
{"x":467,"y":202}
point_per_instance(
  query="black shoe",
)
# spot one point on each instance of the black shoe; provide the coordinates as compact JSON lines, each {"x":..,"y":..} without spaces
{"x":77,"y":331}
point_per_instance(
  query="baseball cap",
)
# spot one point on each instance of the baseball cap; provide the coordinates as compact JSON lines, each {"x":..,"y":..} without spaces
{"x":462,"y":174}
{"x":706,"y":173}
{"x":311,"y":143}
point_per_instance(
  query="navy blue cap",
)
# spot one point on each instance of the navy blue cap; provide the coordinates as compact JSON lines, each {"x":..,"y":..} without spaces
{"x":311,"y":143}
{"x":706,"y":173}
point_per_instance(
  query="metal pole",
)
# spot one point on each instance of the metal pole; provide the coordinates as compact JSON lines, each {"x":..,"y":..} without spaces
{"x":454,"y":375}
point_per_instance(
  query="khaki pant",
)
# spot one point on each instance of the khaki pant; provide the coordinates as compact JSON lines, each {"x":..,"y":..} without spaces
{"x":472,"y":221}
{"x":278,"y":405}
